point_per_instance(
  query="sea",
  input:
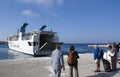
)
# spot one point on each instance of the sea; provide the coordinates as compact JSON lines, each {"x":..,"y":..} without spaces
{"x":81,"y":48}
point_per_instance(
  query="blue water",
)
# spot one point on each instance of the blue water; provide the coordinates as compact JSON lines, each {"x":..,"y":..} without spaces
{"x":6,"y":53}
{"x":80,"y":48}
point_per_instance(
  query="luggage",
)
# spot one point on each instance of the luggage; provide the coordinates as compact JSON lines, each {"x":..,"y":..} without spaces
{"x":106,"y":65}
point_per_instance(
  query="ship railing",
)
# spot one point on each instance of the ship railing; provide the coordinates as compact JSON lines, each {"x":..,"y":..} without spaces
{"x":43,"y":45}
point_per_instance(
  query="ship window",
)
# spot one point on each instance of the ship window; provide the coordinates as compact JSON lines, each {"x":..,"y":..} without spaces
{"x":30,"y":43}
{"x":37,"y":43}
{"x":34,"y":43}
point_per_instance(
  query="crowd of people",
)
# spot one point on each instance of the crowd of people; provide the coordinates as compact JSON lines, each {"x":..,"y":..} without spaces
{"x":57,"y":60}
{"x":111,"y":57}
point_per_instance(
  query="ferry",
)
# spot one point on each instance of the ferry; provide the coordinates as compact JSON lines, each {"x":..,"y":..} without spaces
{"x":40,"y":42}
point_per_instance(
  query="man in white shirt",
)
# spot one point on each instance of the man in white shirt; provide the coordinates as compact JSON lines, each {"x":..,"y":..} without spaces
{"x":57,"y":61}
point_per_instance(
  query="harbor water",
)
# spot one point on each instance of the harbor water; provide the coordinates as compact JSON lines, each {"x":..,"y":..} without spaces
{"x":6,"y":53}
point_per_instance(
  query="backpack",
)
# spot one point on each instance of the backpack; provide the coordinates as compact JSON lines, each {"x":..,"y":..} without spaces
{"x":72,"y":58}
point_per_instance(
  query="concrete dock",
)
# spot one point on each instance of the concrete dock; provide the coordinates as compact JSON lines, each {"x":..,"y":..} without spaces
{"x":41,"y":67}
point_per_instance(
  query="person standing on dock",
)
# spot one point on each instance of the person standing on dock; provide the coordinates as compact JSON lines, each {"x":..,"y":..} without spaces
{"x":57,"y":61}
{"x":114,"y":57}
{"x":97,"y":58}
{"x":72,"y":61}
{"x":117,"y":46}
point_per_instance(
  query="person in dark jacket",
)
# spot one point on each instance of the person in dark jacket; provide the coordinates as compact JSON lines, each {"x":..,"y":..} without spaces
{"x":74,"y":63}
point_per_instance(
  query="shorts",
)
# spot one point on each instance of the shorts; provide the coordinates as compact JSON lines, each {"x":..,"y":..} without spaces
{"x":97,"y":60}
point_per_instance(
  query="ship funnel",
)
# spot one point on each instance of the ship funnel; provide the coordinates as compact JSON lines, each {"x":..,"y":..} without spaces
{"x":43,"y":27}
{"x":22,"y":29}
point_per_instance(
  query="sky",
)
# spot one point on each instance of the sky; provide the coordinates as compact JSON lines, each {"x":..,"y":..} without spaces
{"x":76,"y":21}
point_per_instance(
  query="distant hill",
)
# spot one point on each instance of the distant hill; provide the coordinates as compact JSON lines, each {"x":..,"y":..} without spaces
{"x":3,"y":42}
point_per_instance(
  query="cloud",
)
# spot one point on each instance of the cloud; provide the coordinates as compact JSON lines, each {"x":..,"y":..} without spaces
{"x":60,"y":2}
{"x":53,"y":14}
{"x":45,"y":5}
{"x":30,"y":13}
{"x":44,"y":2}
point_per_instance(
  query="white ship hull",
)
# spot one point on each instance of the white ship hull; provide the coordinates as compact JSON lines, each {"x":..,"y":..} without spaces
{"x":21,"y":46}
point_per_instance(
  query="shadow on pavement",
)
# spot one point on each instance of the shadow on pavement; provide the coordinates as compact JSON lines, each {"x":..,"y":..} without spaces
{"x":106,"y":74}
